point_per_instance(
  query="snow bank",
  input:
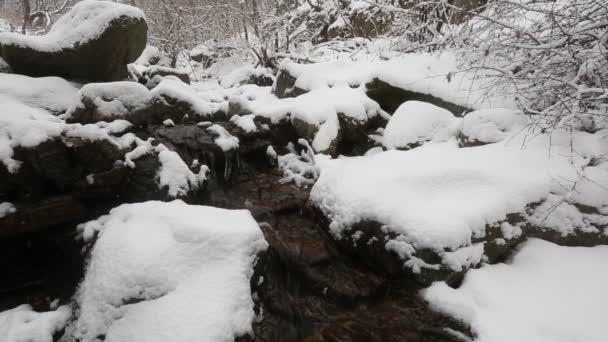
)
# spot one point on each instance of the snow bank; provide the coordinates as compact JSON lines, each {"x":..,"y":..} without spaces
{"x":417,"y":122}
{"x":24,"y":324}
{"x":547,"y":293}
{"x":86,"y":21}
{"x":433,"y":74}
{"x":168,"y":272}
{"x":51,"y":93}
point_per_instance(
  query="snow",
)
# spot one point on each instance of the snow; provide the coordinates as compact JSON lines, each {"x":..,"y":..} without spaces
{"x":176,"y":89}
{"x":547,"y":293}
{"x":471,"y":187}
{"x":434,"y":74}
{"x":417,"y":122}
{"x":150,"y":52}
{"x":175,"y":174}
{"x":224,"y":140}
{"x":298,"y":168}
{"x":86,"y":21}
{"x":6,"y":208}
{"x":242,"y":75}
{"x":492,"y":125}
{"x":51,"y":93}
{"x":168,"y":272}
{"x":319,"y":108}
{"x":169,"y":123}
{"x":22,"y":324}
{"x":245,"y":122}
{"x":113,"y":99}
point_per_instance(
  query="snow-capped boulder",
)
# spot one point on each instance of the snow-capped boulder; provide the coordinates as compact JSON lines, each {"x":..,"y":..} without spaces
{"x":131,"y":101}
{"x":415,"y":123}
{"x":95,"y":41}
{"x":168,"y":271}
{"x":550,"y":293}
{"x":445,"y":209}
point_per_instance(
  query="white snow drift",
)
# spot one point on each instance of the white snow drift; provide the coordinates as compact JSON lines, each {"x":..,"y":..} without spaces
{"x":547,"y":293}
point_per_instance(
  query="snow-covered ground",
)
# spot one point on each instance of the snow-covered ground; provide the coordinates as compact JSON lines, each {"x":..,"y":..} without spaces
{"x":546,"y":293}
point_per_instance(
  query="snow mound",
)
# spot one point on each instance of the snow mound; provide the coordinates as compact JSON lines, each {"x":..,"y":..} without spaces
{"x":51,"y":93}
{"x":24,"y":324}
{"x":86,"y":21}
{"x":470,"y":187}
{"x":492,"y":125}
{"x":547,"y":293}
{"x":415,"y":123}
{"x":168,"y":272}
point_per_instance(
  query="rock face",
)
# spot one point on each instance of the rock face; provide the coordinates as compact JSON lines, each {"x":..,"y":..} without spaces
{"x":94,"y":41}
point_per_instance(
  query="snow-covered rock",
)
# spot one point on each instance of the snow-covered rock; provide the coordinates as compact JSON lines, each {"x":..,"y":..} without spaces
{"x":131,"y":101}
{"x":317,"y":115}
{"x":492,"y":125}
{"x":442,"y":198}
{"x":24,"y":324}
{"x":431,"y":76}
{"x":95,"y":40}
{"x":168,"y":271}
{"x":547,"y":293}
{"x":415,"y":123}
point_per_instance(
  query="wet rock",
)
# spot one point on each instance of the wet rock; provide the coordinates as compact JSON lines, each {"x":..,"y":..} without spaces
{"x":72,"y":50}
{"x":34,"y":217}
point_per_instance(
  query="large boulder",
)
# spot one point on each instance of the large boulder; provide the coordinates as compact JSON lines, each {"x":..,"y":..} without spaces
{"x":93,"y":41}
